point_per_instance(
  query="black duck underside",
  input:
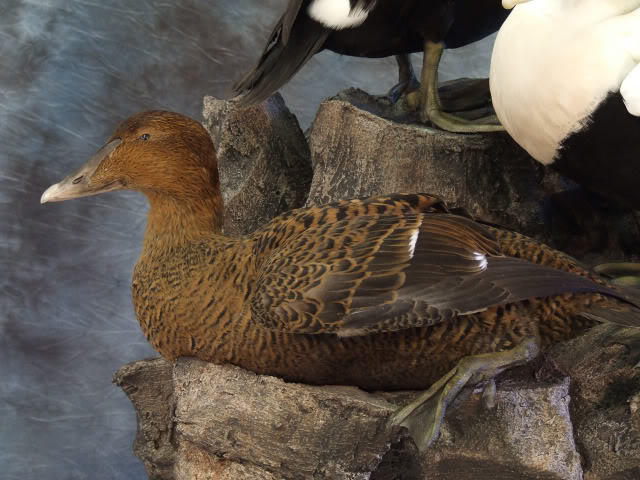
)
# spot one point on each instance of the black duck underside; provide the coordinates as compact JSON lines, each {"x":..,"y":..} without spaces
{"x":456,"y":25}
{"x":605,"y":155}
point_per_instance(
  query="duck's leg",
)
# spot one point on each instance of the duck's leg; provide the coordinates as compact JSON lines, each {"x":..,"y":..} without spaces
{"x":407,"y":81}
{"x":430,"y":107}
{"x":627,"y":274}
{"x":423,"y":416}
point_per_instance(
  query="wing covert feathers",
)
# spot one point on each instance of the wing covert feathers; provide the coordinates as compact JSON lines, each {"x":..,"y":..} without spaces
{"x":356,"y":274}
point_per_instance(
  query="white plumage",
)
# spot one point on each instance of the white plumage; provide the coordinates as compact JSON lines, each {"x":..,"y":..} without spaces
{"x":412,"y":242}
{"x":482,"y":258}
{"x":555,"y":61}
{"x":337,"y":14}
{"x":630,"y":91}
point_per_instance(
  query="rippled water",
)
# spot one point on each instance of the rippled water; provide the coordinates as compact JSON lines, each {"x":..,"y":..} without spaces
{"x":69,"y":72}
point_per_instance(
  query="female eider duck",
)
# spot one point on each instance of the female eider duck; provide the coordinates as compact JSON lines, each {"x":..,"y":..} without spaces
{"x":376,"y":28}
{"x":389,"y":292}
{"x":565,"y":83}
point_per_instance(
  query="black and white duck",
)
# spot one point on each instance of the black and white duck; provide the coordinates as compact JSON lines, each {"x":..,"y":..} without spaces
{"x":376,"y":28}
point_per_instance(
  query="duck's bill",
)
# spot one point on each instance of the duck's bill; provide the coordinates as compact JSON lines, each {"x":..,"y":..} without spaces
{"x":79,"y":183}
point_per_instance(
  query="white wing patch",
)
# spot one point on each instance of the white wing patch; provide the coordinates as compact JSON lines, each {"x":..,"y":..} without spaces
{"x":630,"y":90}
{"x":482,"y":258}
{"x":412,"y":242}
{"x":337,"y":14}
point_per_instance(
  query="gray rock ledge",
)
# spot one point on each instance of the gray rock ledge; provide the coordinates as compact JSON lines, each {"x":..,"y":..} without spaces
{"x":574,"y":414}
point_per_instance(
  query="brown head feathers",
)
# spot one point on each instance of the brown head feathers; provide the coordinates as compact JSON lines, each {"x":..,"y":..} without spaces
{"x":167,"y":156}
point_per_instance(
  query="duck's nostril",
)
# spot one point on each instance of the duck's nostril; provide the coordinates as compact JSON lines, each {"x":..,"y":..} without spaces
{"x":77,"y":179}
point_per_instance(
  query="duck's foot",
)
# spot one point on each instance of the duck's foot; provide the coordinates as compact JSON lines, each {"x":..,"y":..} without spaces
{"x":423,"y":416}
{"x":626,"y":274}
{"x":407,"y":81}
{"x":430,"y":106}
{"x":455,"y":124}
{"x":465,"y":95}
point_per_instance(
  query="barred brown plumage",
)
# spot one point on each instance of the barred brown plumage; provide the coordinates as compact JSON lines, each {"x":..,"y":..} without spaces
{"x":388,"y":292}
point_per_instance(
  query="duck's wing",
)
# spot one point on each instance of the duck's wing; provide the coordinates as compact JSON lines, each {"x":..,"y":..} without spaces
{"x":294,"y":40}
{"x":384,"y":273}
{"x":294,"y":222}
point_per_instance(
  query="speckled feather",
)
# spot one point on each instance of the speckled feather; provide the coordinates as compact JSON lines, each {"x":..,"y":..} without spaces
{"x":248,"y":302}
{"x":383,"y":293}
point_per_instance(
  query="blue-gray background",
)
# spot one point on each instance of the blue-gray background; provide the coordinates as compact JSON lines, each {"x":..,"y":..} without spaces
{"x":70,"y":70}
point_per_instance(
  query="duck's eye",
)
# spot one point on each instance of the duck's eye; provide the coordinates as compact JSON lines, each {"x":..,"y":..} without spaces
{"x":145,"y":136}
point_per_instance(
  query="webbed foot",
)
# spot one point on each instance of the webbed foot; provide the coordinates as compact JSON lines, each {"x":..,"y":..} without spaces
{"x":424,"y":415}
{"x":430,"y":106}
{"x":407,"y":81}
{"x":455,"y":124}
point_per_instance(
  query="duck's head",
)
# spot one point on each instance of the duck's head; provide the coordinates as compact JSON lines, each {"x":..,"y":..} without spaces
{"x":162,"y":154}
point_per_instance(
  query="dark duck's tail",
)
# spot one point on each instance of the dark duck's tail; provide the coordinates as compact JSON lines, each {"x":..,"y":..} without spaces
{"x":294,"y":40}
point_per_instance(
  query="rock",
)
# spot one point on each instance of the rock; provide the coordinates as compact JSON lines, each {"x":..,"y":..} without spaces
{"x":528,"y":435}
{"x":289,"y":430}
{"x":361,"y":146}
{"x":197,"y":464}
{"x":605,"y":389}
{"x":573,"y":414}
{"x":231,"y":423}
{"x":149,"y":386}
{"x":263,"y":158}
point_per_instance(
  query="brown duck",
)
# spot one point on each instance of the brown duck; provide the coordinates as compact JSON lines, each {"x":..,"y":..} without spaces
{"x":390,"y":292}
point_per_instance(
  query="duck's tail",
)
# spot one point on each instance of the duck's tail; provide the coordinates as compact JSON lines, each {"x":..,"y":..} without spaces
{"x":618,"y":313}
{"x":294,"y":40}
{"x":620,"y":305}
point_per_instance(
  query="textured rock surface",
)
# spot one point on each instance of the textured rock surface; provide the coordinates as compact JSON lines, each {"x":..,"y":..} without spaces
{"x":149,"y":386}
{"x":528,"y":435}
{"x":226,"y":422}
{"x":358,"y":151}
{"x":294,"y":431}
{"x":605,"y":387}
{"x":264,"y":161}
{"x":194,"y":463}
{"x":572,"y":415}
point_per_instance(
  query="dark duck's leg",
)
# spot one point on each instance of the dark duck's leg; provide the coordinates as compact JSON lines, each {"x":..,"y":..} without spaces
{"x":430,"y":106}
{"x":424,"y":415}
{"x":407,"y":81}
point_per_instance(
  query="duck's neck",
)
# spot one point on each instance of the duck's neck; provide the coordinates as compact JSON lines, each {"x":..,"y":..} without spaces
{"x":174,"y":222}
